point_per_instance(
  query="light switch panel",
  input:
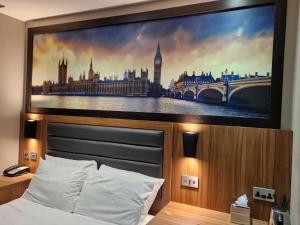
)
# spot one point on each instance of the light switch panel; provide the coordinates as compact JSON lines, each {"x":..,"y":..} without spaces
{"x":189,"y":181}
{"x":33,"y":156}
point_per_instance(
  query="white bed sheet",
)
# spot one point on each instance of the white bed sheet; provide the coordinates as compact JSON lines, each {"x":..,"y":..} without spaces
{"x":147,"y":220}
{"x":25,"y":212}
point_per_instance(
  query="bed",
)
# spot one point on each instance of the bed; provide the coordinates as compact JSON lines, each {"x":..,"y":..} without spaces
{"x":129,"y":149}
{"x":25,"y":212}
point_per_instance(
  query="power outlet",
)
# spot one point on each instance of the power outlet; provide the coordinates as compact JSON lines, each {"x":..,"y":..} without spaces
{"x":26,"y":155}
{"x":189,"y":181}
{"x":33,"y":156}
{"x":264,"y":194}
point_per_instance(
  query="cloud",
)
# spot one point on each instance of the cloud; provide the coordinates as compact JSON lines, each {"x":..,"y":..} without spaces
{"x":200,"y":27}
{"x":210,"y":42}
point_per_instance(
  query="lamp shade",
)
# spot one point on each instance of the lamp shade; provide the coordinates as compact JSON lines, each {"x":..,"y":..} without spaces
{"x":190,"y":141}
{"x":30,"y":129}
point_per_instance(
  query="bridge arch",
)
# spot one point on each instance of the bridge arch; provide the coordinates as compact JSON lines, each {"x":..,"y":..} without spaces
{"x":178,"y":94}
{"x":189,"y":90}
{"x":189,"y":95}
{"x":251,"y":96}
{"x":233,"y":91}
{"x":210,"y":95}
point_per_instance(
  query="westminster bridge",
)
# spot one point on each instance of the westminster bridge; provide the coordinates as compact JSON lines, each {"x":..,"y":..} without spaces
{"x":254,"y":92}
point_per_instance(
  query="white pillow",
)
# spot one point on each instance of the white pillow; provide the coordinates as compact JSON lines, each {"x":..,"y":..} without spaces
{"x":70,"y":162}
{"x":56,"y":186}
{"x":106,"y":197}
{"x":157,"y":183}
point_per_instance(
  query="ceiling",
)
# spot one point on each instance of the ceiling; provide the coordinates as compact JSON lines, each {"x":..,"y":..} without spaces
{"x":36,"y":9}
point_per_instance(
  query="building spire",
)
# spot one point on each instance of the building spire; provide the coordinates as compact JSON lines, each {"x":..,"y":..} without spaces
{"x":91,"y":71}
{"x":91,"y":64}
{"x":158,"y":46}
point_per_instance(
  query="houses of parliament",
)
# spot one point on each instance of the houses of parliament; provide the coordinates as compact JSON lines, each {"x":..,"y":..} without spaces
{"x":91,"y":85}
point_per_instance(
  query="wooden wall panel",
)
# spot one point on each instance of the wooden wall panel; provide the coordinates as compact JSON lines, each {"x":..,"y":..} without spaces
{"x":230,"y":161}
{"x":32,"y":145}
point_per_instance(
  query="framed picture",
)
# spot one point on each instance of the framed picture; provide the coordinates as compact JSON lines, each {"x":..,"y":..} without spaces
{"x":216,"y":63}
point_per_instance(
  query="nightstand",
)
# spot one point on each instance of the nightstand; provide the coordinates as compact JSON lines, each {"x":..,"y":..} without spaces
{"x":13,"y":187}
{"x":180,"y":214}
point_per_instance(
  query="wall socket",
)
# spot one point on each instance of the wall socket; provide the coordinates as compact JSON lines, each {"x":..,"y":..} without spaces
{"x":264,"y":194}
{"x":189,"y":181}
{"x":33,"y":156}
{"x":26,"y":155}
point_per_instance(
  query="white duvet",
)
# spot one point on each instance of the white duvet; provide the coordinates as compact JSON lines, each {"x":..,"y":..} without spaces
{"x":25,"y":212}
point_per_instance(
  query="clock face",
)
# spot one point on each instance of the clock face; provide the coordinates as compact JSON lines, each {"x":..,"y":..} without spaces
{"x":157,"y":61}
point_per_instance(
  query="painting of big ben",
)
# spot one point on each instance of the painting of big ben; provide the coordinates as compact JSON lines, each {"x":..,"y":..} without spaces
{"x":157,"y":66}
{"x":211,"y":64}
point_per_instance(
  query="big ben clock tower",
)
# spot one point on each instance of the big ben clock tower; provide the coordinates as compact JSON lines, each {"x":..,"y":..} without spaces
{"x":157,"y":66}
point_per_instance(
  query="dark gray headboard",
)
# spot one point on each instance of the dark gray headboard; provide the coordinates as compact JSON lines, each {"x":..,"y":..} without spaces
{"x":124,"y":148}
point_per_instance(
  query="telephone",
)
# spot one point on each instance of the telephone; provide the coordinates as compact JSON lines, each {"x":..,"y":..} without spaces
{"x":15,"y":170}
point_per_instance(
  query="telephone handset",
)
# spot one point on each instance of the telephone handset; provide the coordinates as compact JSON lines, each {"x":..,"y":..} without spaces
{"x":15,"y":170}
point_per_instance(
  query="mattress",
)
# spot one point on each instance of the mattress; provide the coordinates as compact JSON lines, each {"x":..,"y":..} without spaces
{"x":25,"y":212}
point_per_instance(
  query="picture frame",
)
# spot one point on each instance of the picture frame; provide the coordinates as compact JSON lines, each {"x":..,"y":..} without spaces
{"x":274,"y":118}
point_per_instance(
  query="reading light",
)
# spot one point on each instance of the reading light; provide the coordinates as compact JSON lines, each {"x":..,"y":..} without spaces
{"x":30,"y":129}
{"x":190,"y":140}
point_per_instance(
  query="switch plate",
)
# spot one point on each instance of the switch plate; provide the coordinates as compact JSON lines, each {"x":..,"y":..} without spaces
{"x":26,"y":155}
{"x":264,"y":194}
{"x":33,"y":156}
{"x":189,"y":181}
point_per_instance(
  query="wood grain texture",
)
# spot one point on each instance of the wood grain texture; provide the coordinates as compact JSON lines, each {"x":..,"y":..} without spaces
{"x":37,"y":145}
{"x":180,"y":214}
{"x":13,"y":187}
{"x":230,"y":161}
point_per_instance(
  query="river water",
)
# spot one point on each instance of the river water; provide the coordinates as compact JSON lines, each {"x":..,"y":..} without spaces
{"x":137,"y":104}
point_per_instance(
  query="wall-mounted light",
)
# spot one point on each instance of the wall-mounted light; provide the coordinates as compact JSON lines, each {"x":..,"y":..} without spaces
{"x":190,"y":141}
{"x":30,"y":129}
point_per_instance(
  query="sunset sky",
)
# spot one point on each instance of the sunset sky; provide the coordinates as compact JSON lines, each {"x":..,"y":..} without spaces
{"x":240,"y":41}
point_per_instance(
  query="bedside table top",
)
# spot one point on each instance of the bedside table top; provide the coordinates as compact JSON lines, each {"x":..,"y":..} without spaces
{"x":181,"y":214}
{"x":7,"y":181}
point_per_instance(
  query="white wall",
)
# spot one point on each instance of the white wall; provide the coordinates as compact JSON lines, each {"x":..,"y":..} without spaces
{"x":142,"y":7}
{"x":12,"y":45}
{"x":290,"y":101}
{"x":295,"y":125}
{"x":289,"y":64}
